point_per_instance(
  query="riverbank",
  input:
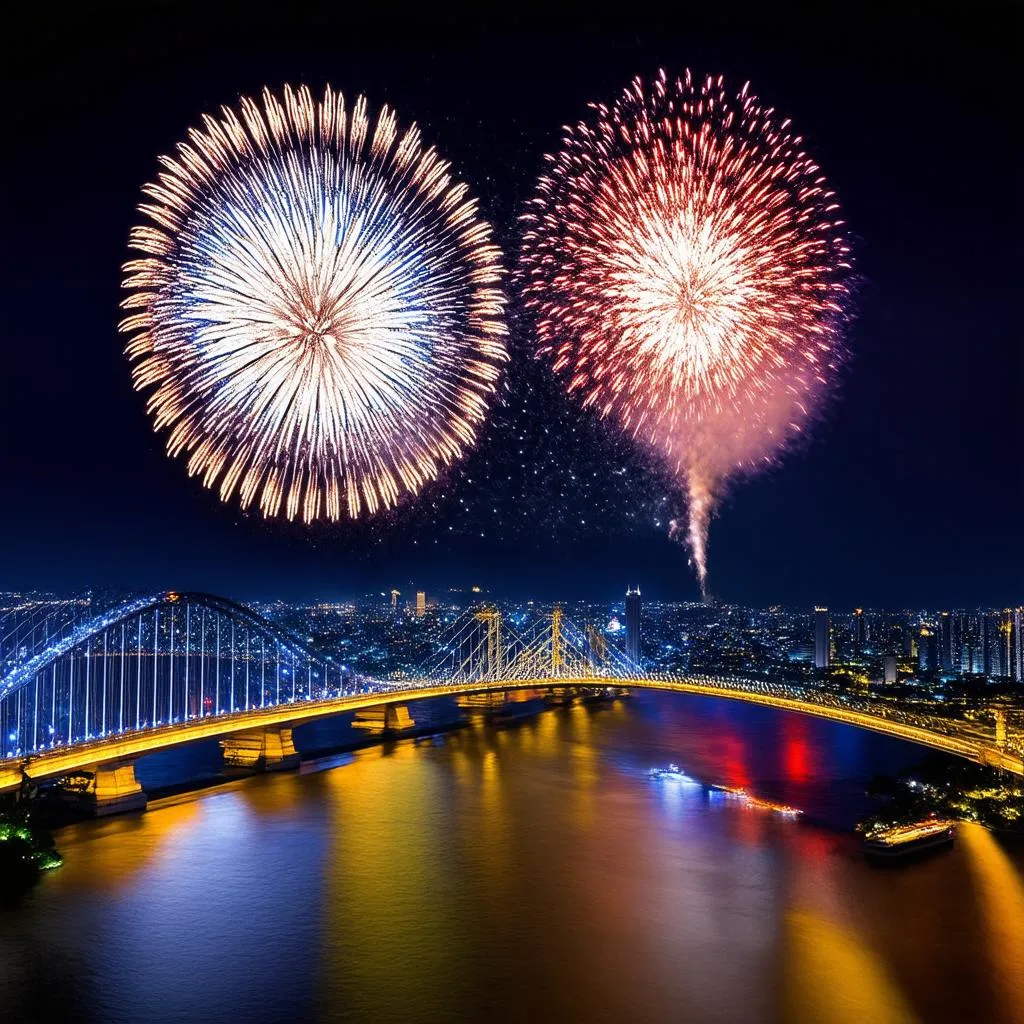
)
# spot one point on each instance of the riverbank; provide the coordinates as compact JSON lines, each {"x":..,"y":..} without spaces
{"x":26,"y":851}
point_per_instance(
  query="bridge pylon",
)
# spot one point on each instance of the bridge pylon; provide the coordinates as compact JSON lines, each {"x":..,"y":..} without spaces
{"x":557,"y":660}
{"x":596,"y":646}
{"x":492,"y":661}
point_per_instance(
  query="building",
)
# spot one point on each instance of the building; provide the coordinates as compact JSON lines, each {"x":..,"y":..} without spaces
{"x":859,"y":635}
{"x":395,"y":595}
{"x":1018,"y":644}
{"x":1007,"y":652}
{"x":633,"y":625}
{"x":947,"y":657}
{"x":991,"y":648}
{"x":421,"y":604}
{"x":927,"y":650}
{"x":822,"y":638}
{"x":889,"y":667}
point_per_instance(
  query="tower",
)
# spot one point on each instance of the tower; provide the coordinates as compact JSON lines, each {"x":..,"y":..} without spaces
{"x":991,"y":652}
{"x":946,"y":642}
{"x":421,"y":604}
{"x":633,"y":625}
{"x":822,"y":638}
{"x":1006,"y":651}
{"x":926,"y":652}
{"x":395,"y":595}
{"x":1018,"y":644}
{"x":556,"y":640}
{"x":491,"y":651}
{"x":858,"y":630}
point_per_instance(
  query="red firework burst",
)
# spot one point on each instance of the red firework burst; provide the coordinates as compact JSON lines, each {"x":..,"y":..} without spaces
{"x":689,"y":275}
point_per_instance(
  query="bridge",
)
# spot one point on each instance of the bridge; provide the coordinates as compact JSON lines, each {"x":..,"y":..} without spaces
{"x":84,"y":692}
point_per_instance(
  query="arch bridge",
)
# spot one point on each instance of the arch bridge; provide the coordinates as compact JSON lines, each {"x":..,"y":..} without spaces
{"x":84,"y":696}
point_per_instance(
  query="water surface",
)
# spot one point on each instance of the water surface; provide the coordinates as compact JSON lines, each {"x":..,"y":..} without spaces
{"x":531,"y":873}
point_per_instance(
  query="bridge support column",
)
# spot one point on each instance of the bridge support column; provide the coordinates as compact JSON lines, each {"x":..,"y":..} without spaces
{"x":113,"y":789}
{"x":478,"y":703}
{"x":561,"y":696}
{"x":267,"y":750}
{"x":384,"y":718}
{"x":1000,"y":728}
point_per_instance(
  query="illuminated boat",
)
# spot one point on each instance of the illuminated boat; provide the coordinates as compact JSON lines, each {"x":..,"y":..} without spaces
{"x":747,"y":800}
{"x":673,"y":771}
{"x":904,"y":840}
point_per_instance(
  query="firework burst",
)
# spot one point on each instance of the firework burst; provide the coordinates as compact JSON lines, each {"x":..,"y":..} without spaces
{"x":688,"y":273}
{"x":316,"y":315}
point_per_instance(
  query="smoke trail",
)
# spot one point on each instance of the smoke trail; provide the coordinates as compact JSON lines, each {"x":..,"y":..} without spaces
{"x":701,"y":504}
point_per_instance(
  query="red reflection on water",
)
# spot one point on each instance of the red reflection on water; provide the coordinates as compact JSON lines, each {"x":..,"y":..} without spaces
{"x":796,"y":750}
{"x":734,"y":760}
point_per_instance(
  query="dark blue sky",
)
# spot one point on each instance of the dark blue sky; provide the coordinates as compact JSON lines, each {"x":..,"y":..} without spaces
{"x":910,"y":492}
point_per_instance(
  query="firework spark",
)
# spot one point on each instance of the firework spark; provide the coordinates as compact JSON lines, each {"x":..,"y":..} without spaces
{"x":316,"y":314}
{"x":689,"y":275}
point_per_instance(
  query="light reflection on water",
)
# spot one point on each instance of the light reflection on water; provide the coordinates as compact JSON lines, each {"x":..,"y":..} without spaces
{"x":528,"y":873}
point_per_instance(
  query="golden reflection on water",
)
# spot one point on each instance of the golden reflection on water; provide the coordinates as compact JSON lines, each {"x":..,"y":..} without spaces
{"x":832,"y":974}
{"x":389,"y":886}
{"x":1000,"y":897}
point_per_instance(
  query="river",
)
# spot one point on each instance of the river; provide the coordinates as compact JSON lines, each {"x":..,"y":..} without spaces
{"x":530,"y":872}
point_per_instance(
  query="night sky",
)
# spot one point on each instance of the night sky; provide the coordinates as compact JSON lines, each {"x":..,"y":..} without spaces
{"x":909,"y":493}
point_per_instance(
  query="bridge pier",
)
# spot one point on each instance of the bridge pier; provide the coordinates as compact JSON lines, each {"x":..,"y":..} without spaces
{"x":109,"y":789}
{"x":268,"y":750}
{"x":561,"y":696}
{"x":480,"y":703}
{"x":383,"y":718}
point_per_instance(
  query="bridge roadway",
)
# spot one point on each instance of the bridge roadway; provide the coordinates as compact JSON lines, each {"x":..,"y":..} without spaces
{"x":67,"y":760}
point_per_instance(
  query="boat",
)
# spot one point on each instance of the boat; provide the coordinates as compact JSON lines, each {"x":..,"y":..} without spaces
{"x":905,"y":840}
{"x":673,"y":771}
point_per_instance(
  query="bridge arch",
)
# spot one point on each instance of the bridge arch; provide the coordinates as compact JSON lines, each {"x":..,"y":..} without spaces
{"x":156,"y":660}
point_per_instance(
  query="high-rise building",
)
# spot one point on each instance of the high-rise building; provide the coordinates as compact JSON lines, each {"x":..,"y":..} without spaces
{"x":859,"y":634}
{"x":395,"y":595}
{"x":421,"y":604}
{"x":1006,"y":646}
{"x":633,"y":625}
{"x":822,"y":638}
{"x":1018,"y":644}
{"x":927,"y":650}
{"x":889,"y":667}
{"x":946,"y":659}
{"x":991,"y":649}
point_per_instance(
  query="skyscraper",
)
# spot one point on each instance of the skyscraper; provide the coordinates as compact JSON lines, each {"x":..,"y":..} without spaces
{"x":889,"y":667}
{"x":927,"y":658}
{"x":395,"y":595}
{"x":822,"y":638}
{"x":1006,"y":645}
{"x":858,"y":630}
{"x":633,"y":625}
{"x":946,"y":642}
{"x":421,"y":604}
{"x":1018,"y":644}
{"x":991,"y":650}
